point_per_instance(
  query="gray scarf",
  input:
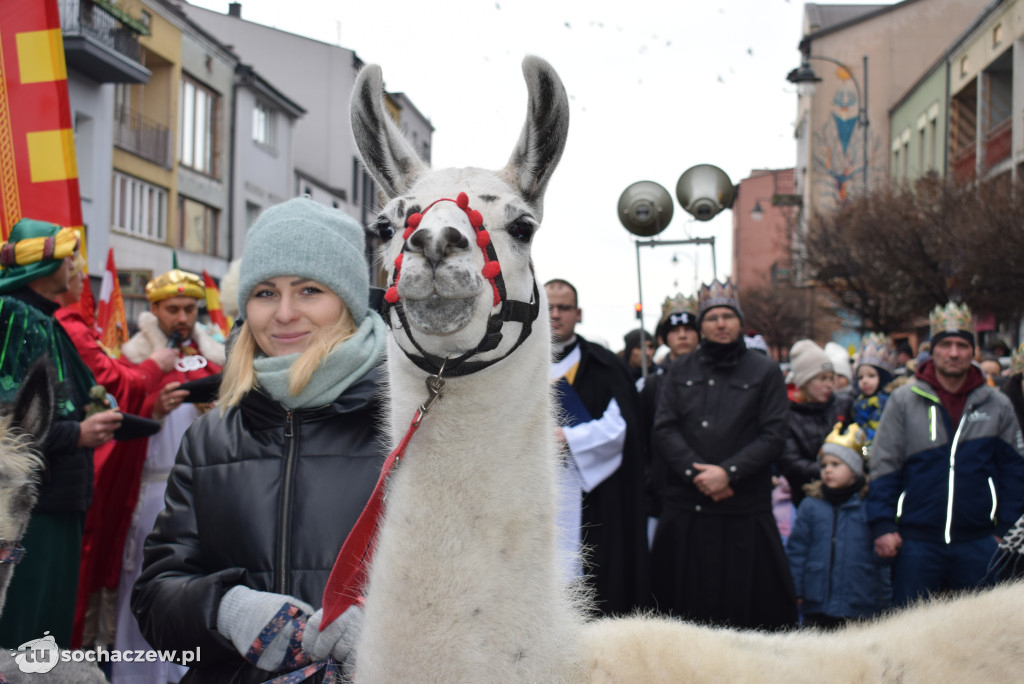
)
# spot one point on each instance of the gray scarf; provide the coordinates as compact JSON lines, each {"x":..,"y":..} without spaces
{"x":345,"y":364}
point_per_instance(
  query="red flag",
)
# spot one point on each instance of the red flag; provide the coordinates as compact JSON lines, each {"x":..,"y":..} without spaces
{"x":110,"y":318}
{"x":213,"y":304}
{"x":38,"y":169}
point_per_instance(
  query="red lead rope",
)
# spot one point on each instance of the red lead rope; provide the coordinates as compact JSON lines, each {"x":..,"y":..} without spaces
{"x":345,"y":584}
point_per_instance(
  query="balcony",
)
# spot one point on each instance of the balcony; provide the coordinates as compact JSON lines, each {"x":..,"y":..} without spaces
{"x":142,"y":137}
{"x":998,"y":143}
{"x":963,"y":164}
{"x":99,"y":45}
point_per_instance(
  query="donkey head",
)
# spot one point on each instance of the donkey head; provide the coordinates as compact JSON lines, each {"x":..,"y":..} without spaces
{"x":457,"y":241}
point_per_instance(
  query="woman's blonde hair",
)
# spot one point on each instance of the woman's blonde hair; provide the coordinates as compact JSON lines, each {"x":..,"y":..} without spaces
{"x":240,"y":375}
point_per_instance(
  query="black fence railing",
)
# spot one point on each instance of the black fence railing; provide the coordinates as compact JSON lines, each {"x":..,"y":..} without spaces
{"x":82,"y":17}
{"x":142,"y":136}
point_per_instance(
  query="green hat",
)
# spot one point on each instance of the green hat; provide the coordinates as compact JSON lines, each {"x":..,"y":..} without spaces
{"x":34,"y":249}
{"x":304,"y":238}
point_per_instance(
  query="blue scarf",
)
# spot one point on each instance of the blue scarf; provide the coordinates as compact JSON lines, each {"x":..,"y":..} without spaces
{"x":345,"y":364}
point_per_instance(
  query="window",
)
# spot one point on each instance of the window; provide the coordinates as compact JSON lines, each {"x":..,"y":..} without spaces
{"x":263,"y":125}
{"x":197,"y":225}
{"x":140,"y":209}
{"x":198,"y":119}
{"x":252,"y":212}
{"x":933,"y":132}
{"x":356,"y":170}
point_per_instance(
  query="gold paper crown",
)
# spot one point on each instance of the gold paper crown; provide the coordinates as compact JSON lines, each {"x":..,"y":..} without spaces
{"x":847,"y":446}
{"x":175,"y":283}
{"x":852,"y":438}
{"x":718,"y":294}
{"x":876,"y":349}
{"x":951,"y":318}
{"x":1017,"y":361}
{"x":678,"y":304}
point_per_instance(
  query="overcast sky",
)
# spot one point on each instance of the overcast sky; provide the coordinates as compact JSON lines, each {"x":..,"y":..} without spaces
{"x":655,"y":87}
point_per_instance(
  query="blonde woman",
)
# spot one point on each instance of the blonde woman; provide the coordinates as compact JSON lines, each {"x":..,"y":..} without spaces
{"x":266,"y":488}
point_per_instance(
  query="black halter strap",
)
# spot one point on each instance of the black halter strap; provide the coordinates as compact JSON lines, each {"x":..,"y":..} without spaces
{"x":511,"y":310}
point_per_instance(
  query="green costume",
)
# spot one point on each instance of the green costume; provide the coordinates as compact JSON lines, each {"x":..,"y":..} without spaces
{"x":41,"y":596}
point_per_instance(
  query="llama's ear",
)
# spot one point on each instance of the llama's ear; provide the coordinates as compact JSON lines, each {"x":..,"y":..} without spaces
{"x":35,"y":402}
{"x":387,"y":155}
{"x":544,"y":133}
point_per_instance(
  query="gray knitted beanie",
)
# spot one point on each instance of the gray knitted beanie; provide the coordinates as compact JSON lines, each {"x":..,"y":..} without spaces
{"x":303,"y":238}
{"x":808,"y":360}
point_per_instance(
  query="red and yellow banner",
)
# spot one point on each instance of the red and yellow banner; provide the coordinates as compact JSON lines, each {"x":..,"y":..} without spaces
{"x":38,"y":170}
{"x":213,"y":307}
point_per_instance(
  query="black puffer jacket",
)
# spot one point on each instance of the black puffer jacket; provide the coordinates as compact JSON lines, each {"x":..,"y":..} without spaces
{"x":262,"y":497}
{"x":809,"y":425}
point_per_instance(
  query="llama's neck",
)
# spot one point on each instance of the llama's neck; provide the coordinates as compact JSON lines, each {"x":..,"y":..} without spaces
{"x":465,"y":584}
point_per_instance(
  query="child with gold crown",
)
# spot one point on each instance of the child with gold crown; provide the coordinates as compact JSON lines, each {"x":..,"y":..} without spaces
{"x":836,"y":573}
{"x":874,"y":370}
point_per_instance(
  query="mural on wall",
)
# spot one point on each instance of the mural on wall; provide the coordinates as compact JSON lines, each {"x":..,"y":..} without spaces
{"x":839,"y":155}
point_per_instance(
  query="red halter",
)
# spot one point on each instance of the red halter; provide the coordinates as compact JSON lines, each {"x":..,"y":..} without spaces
{"x":491,"y":268}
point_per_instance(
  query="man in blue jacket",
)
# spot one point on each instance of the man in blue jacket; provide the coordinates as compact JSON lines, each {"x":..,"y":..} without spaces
{"x":947,"y":468}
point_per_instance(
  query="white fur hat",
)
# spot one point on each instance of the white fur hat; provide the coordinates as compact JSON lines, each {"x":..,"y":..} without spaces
{"x":840,"y":359}
{"x":808,"y":360}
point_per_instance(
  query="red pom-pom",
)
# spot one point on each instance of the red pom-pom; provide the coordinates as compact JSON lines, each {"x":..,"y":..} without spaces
{"x":414,"y":220}
{"x":491,"y":270}
{"x":398,"y":261}
{"x":475,"y":219}
{"x":462,"y":200}
{"x":391,"y":296}
{"x":483,"y":238}
{"x":408,"y":233}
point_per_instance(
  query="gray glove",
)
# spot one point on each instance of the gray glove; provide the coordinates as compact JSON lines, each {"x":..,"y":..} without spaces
{"x":338,"y":640}
{"x":261,"y":625}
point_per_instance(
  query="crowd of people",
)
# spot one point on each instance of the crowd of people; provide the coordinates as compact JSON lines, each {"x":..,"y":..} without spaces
{"x":194,"y":504}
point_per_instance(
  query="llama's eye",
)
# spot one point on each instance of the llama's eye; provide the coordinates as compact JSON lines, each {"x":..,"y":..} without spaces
{"x":521,"y":229}
{"x":382,"y":226}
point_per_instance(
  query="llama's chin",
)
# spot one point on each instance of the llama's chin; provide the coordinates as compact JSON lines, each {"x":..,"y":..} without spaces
{"x":436,"y":315}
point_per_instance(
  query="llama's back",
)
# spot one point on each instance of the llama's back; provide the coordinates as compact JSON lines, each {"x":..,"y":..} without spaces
{"x":972,"y":638}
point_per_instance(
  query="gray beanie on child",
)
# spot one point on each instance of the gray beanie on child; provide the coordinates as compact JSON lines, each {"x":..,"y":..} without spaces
{"x":303,"y":238}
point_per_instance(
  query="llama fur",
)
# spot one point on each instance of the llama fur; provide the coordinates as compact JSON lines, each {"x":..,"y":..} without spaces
{"x":465,"y":583}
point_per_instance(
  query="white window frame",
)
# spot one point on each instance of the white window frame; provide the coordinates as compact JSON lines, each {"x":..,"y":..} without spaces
{"x":198,"y":126}
{"x":139,"y":208}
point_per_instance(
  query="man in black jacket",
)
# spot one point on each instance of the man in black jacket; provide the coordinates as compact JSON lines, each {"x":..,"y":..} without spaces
{"x":37,"y":262}
{"x":720,"y":425}
{"x":602,"y":482}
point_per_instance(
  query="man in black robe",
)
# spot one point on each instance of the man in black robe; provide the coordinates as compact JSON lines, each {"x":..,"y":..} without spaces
{"x":720,"y":425}
{"x":604,"y":466}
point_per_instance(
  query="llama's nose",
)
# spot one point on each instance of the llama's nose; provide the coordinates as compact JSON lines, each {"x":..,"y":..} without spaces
{"x":436,"y":245}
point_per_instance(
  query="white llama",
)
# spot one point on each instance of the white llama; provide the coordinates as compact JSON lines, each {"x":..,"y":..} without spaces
{"x":465,"y":583}
{"x":23,"y":425}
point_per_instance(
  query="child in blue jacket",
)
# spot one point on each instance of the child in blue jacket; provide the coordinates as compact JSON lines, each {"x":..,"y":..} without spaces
{"x":874,"y":367}
{"x":831,"y":553}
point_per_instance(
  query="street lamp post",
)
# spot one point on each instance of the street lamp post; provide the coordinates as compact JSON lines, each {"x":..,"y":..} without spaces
{"x":804,"y":76}
{"x":645,"y":209}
